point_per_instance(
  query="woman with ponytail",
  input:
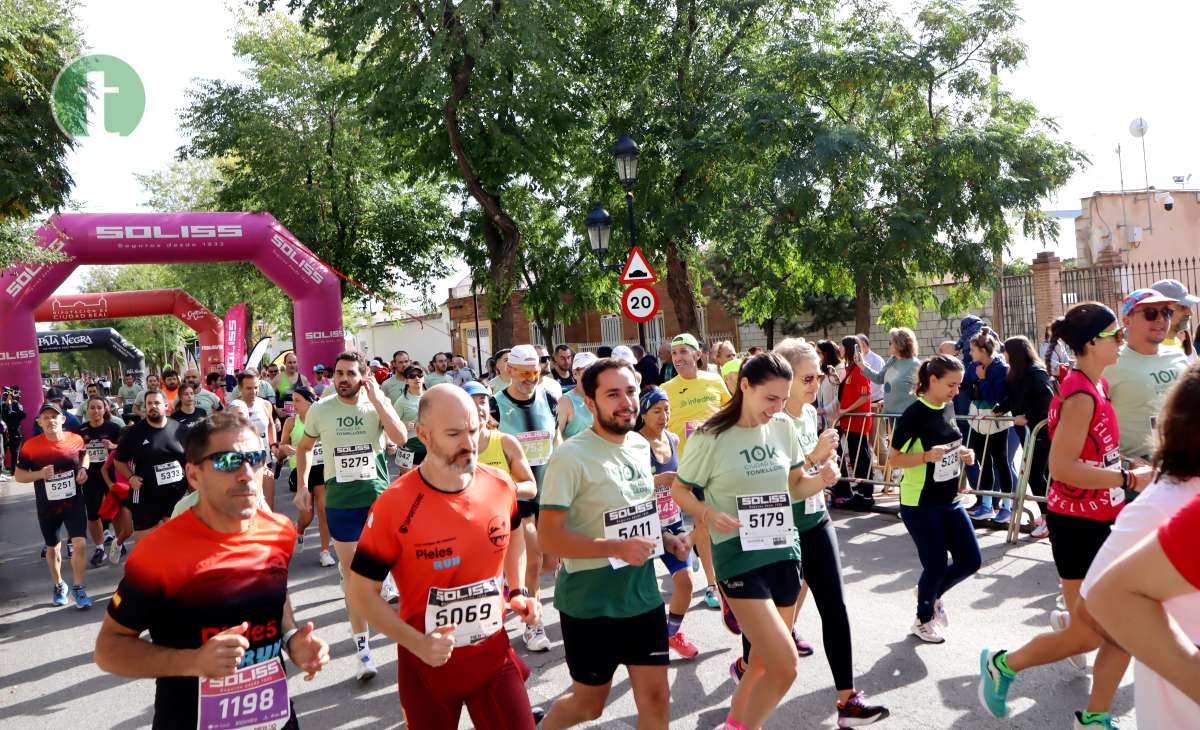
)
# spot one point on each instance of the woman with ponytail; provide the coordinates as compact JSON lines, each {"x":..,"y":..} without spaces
{"x":929,"y":448}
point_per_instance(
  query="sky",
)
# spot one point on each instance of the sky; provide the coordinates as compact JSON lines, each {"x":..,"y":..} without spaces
{"x":1093,"y":66}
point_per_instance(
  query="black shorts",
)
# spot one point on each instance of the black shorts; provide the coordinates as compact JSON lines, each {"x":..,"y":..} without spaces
{"x":93,"y":495}
{"x":1074,"y":542}
{"x":595,"y":647}
{"x":779,"y":582}
{"x":316,"y":478}
{"x":73,"y":516}
{"x":527,"y":509}
{"x":153,"y":505}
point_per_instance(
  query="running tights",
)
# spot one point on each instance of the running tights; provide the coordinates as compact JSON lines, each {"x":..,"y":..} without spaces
{"x":938,"y":529}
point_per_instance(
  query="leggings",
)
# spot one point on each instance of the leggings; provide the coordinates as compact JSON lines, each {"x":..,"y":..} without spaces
{"x":938,"y":529}
{"x":856,"y":463}
{"x":822,"y":565}
{"x":1039,"y":468}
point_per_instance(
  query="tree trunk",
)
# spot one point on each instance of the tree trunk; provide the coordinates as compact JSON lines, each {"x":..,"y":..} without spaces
{"x":769,"y":329}
{"x":502,"y":253}
{"x":679,"y":287}
{"x":862,"y":303}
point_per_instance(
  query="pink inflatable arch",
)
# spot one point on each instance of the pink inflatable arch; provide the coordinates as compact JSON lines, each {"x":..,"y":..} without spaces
{"x":151,"y":238}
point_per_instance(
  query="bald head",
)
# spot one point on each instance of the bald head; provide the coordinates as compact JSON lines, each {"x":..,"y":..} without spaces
{"x":448,"y":426}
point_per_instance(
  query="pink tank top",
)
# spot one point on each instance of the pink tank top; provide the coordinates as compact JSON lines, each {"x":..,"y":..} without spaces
{"x":1100,"y":448}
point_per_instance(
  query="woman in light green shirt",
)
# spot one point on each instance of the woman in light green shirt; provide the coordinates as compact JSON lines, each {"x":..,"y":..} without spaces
{"x":748,"y":461}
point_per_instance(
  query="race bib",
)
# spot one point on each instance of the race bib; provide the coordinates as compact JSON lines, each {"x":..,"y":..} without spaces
{"x":668,"y":508}
{"x":254,"y":697}
{"x":60,"y":486}
{"x":168,"y":473}
{"x":354,"y":463}
{"x":537,"y":446}
{"x":289,"y":407}
{"x":950,"y":465}
{"x":815,"y":503}
{"x":1116,"y":495}
{"x":318,"y":455}
{"x":404,"y":458}
{"x":636,"y":520}
{"x":476,"y":610}
{"x":691,"y":427}
{"x":766,"y":520}
{"x":96,"y":452}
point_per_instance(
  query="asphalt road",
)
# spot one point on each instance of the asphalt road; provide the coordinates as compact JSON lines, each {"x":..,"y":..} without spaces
{"x":48,"y":679}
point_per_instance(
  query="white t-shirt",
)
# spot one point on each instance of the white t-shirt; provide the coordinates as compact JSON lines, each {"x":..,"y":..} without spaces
{"x":1159,"y":705}
{"x":875,"y":362}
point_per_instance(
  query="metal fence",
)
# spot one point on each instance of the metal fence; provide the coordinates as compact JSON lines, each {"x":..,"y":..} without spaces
{"x":1020,"y":315}
{"x":1109,"y":284}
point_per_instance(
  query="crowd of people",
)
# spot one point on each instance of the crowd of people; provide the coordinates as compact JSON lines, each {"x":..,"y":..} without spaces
{"x":453,"y":495}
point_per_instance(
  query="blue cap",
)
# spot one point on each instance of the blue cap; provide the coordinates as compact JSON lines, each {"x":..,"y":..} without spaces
{"x":475,"y":388}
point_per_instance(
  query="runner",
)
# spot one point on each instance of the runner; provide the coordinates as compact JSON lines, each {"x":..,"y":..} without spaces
{"x":460,"y":372}
{"x":502,"y":451}
{"x":929,"y":449}
{"x":654,"y":414}
{"x":260,"y":411}
{"x":1086,"y":495}
{"x":695,"y":395}
{"x":288,"y":379}
{"x":442,"y":533}
{"x":820,"y":557}
{"x":500,"y":380}
{"x":188,"y":414}
{"x":320,"y":380}
{"x":127,"y":394}
{"x":100,"y":436}
{"x":293,"y":433}
{"x":214,"y":388}
{"x":440,"y":364}
{"x":139,"y":403}
{"x":206,"y":399}
{"x":747,"y":461}
{"x":56,"y":462}
{"x":170,"y":388}
{"x":573,"y":415}
{"x":353,"y":428}
{"x":156,"y":478}
{"x":394,"y":385}
{"x":211,"y":588}
{"x":564,"y":368}
{"x":600,"y":516}
{"x":408,"y":398}
{"x":528,"y":412}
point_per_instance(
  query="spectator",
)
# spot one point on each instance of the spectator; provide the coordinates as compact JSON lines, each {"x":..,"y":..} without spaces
{"x":898,"y":374}
{"x":1057,"y":359}
{"x":754,"y":351}
{"x":968,"y":327}
{"x":647,"y":368}
{"x":461,"y":371}
{"x":666,"y":370}
{"x":854,"y":407}
{"x":834,"y":371}
{"x":1144,"y":369}
{"x":948,"y":348}
{"x":989,"y":439}
{"x":603,"y":351}
{"x":1028,"y":391}
{"x":872,"y":360}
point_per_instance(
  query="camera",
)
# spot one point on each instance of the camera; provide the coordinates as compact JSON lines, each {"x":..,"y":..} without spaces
{"x":1168,"y":202}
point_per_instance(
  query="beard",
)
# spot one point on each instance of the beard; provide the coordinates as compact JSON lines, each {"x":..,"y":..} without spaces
{"x":617,"y":424}
{"x":156,"y":419}
{"x":346,"y":390}
{"x":461,"y":462}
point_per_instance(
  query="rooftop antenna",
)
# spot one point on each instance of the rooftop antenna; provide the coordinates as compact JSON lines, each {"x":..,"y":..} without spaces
{"x":1138,"y":128}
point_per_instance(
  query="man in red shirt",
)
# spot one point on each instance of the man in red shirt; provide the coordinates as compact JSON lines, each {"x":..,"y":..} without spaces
{"x":442,"y":531}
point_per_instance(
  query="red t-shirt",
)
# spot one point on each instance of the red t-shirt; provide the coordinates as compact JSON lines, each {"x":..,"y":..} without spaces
{"x":1180,"y":540}
{"x":1100,"y":448}
{"x":66,"y":456}
{"x":430,"y":540}
{"x":855,"y":387}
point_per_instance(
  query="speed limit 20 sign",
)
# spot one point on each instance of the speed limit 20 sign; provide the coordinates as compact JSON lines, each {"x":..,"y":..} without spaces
{"x":640,"y":303}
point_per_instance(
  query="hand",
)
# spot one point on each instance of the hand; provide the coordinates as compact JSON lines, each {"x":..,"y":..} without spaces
{"x":826,"y":443}
{"x":1140,"y":477}
{"x":390,"y":449}
{"x":935,"y":454}
{"x":635,"y":551}
{"x":833,"y":414}
{"x":371,"y":389}
{"x":307,"y":651}
{"x":664,"y":479}
{"x":286,"y":450}
{"x":529,"y":609}
{"x":678,"y":545}
{"x":828,"y":473}
{"x":1021,"y":420}
{"x":135,"y":482}
{"x":720,"y":521}
{"x":303,"y":499}
{"x":434,"y":649}
{"x":81,"y":476}
{"x":47,"y":472}
{"x":979,"y":372}
{"x":109,"y":444}
{"x":221,"y":654}
{"x":858,"y":358}
{"x":966,"y":456}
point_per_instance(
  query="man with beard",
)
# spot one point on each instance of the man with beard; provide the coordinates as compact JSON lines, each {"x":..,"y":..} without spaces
{"x":562,"y":370}
{"x":396,"y":382}
{"x":170,"y":388}
{"x":206,"y":400}
{"x":528,"y":412}
{"x":139,"y":403}
{"x":352,"y":428}
{"x":442,"y":533}
{"x":156,"y":478}
{"x":100,"y":436}
{"x":260,"y":411}
{"x":599,"y":515}
{"x":439,"y":374}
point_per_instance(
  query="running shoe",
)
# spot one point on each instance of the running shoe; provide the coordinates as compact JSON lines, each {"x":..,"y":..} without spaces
{"x":1040,"y":531}
{"x":939,"y":611}
{"x":389,"y":592}
{"x":993,"y":684}
{"x":926,"y":632}
{"x":44,"y":552}
{"x":1004,"y":515}
{"x":299,"y":542}
{"x":114,"y":552}
{"x":982,"y":513}
{"x":108,"y":537}
{"x":366,"y":668}
{"x":840,"y":502}
{"x":536,"y":639}
{"x":97,"y":557}
{"x":80,"y":596}
{"x":70,"y":550}
{"x":803,"y":648}
{"x":710,"y":597}
{"x":855,"y":712}
{"x":682,"y":646}
{"x":1061,"y":621}
{"x":59,"y":597}
{"x":727,"y":616}
{"x":737,"y":669}
{"x":326,"y":559}
{"x":1094,"y":721}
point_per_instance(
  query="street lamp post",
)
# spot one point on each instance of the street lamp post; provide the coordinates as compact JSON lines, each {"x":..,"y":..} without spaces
{"x":625,"y":154}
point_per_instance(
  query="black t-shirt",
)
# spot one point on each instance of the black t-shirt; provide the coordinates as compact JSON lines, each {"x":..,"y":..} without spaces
{"x":919,"y":429}
{"x":567,"y":383}
{"x":93,"y":439}
{"x":187,"y":421}
{"x":157,"y":455}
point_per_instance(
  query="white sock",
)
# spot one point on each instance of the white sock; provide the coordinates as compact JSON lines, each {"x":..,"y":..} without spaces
{"x":362,"y":643}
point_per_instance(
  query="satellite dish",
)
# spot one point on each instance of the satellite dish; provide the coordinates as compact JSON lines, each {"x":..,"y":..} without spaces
{"x":1138,"y":127}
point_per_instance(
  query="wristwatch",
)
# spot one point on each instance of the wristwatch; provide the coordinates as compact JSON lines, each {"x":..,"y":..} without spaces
{"x":288,"y":637}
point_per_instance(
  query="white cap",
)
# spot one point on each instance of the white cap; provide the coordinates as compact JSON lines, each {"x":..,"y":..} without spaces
{"x":583,"y":360}
{"x":621,"y":352}
{"x":523,"y":356}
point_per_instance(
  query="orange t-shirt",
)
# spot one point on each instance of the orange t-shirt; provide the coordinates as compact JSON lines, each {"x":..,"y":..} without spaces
{"x":429,"y":539}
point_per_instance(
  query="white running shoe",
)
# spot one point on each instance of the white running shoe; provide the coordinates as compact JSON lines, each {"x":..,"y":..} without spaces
{"x":1061,"y":621}
{"x":389,"y":591}
{"x":536,"y":639}
{"x":939,"y":614}
{"x":114,"y":553}
{"x":327,"y":560}
{"x":926,"y":632}
{"x":366,"y":668}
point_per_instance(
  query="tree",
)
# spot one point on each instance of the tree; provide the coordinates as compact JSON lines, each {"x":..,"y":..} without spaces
{"x":38,"y":39}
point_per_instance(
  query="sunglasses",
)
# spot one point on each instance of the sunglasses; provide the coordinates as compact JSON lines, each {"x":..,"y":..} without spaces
{"x":228,"y":461}
{"x":1152,"y":314}
{"x":1118,"y":334}
{"x":810,"y":379}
